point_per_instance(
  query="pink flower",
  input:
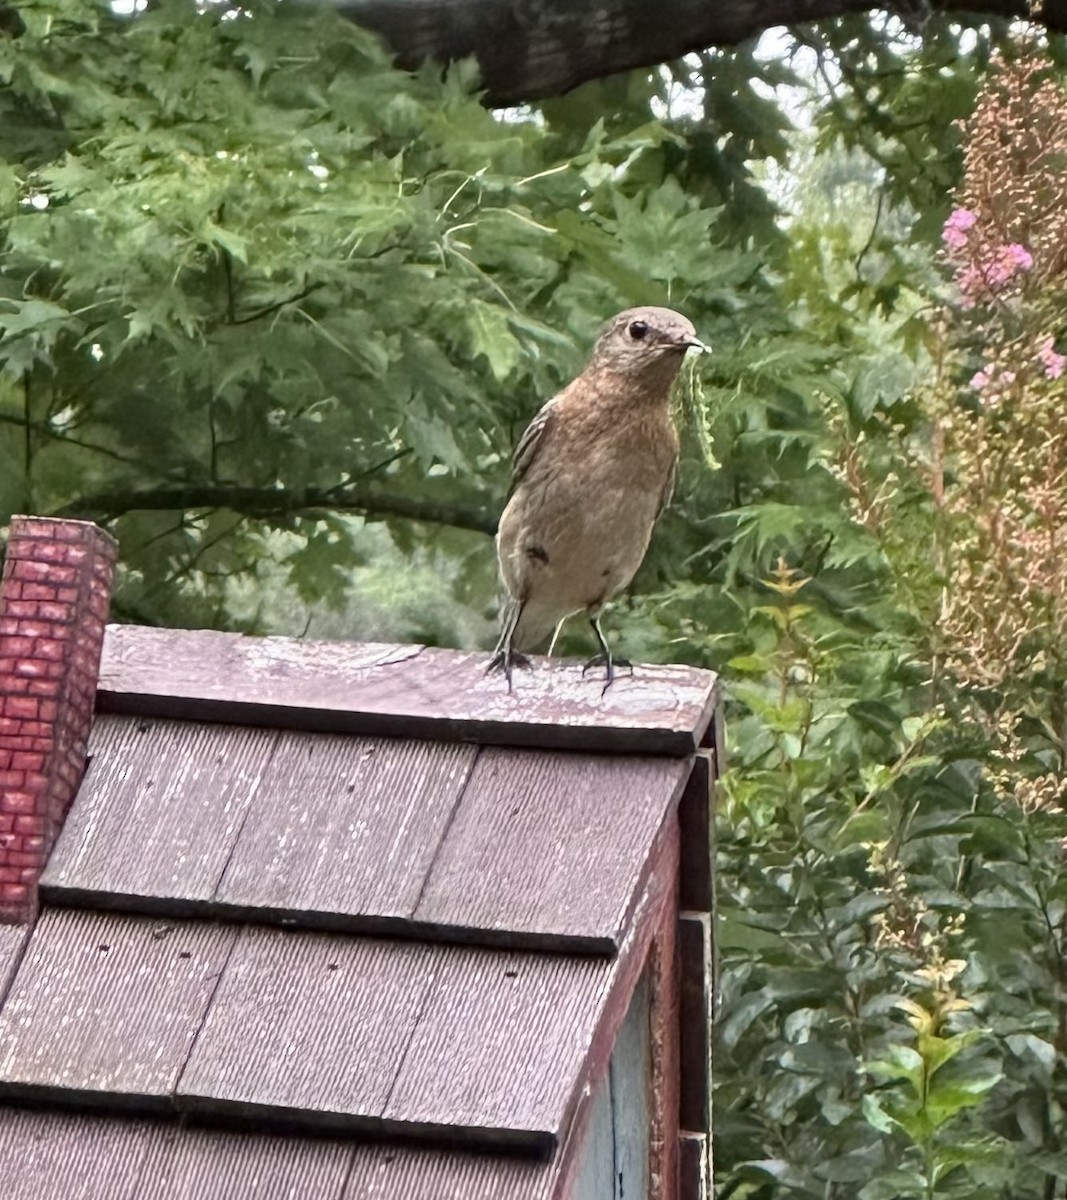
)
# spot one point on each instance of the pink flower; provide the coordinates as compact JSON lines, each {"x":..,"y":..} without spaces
{"x":979,"y":380}
{"x":955,"y":229}
{"x":1019,"y":256}
{"x":1053,"y":363}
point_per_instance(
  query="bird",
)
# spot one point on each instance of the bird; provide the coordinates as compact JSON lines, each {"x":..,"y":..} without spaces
{"x":590,"y":476}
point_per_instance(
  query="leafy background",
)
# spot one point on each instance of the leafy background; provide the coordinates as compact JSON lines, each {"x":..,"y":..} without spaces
{"x":275,"y":313}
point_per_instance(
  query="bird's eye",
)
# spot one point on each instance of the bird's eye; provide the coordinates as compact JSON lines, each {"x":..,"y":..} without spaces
{"x":638,"y":329}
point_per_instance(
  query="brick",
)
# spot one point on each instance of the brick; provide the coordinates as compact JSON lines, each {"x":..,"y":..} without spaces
{"x":22,"y":608}
{"x":30,"y":570}
{"x":7,"y":665}
{"x":35,"y":844}
{"x":48,"y":710}
{"x":47,"y":552}
{"x":13,"y":590}
{"x":9,"y":726}
{"x":18,"y":802}
{"x":32,"y":826}
{"x":50,"y":610}
{"x":30,"y":669}
{"x":29,"y":873}
{"x":16,"y":647}
{"x":8,"y":626}
{"x":22,"y":760}
{"x":50,"y":649}
{"x":6,"y":758}
{"x":7,"y":823}
{"x":37,"y":629}
{"x":12,"y":779}
{"x":24,"y":858}
{"x":14,"y":892}
{"x":15,"y":685}
{"x":38,"y":591}
{"x":74,"y":531}
{"x":26,"y":528}
{"x":21,"y":706}
{"x":65,"y":595}
{"x":23,"y":741}
{"x":44,"y":687}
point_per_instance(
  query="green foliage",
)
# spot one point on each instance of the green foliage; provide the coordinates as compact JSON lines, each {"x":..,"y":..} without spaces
{"x":276,"y":313}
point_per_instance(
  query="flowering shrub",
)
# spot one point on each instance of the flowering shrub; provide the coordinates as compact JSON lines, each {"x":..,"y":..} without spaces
{"x":1004,"y":603}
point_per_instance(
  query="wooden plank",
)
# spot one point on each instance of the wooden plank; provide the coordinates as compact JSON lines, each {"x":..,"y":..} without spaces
{"x":500,"y":1047}
{"x":192,"y":1164}
{"x":595,"y":1173}
{"x":631,"y":1106}
{"x":12,"y":939}
{"x":551,"y":846}
{"x":69,"y":1156}
{"x":106,"y":1007}
{"x":310,"y":1025}
{"x":388,"y":1172}
{"x":404,"y":691}
{"x":696,"y":818}
{"x":694,"y":1019}
{"x":158,"y":812}
{"x":693,"y":1167}
{"x":349,"y":826}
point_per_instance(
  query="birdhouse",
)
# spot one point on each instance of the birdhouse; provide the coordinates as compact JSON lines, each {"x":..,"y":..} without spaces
{"x":284,"y":919}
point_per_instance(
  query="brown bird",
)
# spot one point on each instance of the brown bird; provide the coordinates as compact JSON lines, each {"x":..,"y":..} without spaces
{"x":592,"y":473}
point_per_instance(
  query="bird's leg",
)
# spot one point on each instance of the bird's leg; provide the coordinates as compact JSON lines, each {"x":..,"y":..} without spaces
{"x":605,"y":658}
{"x":504,"y":657}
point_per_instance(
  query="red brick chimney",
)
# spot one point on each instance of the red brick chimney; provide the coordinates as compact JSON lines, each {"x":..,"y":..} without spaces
{"x":53,"y":608}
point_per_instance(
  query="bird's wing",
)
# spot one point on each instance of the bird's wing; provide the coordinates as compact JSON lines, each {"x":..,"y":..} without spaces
{"x":667,"y":494}
{"x":532,"y":440}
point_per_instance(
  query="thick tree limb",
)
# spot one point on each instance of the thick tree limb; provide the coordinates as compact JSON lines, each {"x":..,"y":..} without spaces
{"x":533,"y":49}
{"x":263,"y":502}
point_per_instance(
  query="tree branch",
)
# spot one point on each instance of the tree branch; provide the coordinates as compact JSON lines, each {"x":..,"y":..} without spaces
{"x":532,"y":49}
{"x":263,"y":502}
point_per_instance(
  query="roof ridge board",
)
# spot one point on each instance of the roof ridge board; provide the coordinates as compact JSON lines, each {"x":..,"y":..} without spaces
{"x":407,"y":691}
{"x":315,"y":921}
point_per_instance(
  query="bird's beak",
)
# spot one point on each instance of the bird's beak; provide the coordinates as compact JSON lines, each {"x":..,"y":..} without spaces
{"x":697,"y":345}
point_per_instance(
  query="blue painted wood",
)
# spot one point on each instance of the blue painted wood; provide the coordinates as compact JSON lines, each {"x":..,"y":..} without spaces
{"x":614,"y":1162}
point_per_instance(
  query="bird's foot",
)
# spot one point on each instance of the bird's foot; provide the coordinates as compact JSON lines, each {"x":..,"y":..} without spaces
{"x":609,"y":662}
{"x":506,"y":660}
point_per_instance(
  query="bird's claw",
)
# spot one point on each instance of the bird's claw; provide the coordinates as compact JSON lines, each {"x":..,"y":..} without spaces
{"x":506,"y":660}
{"x":609,"y":662}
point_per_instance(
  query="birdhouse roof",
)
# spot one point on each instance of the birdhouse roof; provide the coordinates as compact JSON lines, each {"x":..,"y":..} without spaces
{"x":338,"y":920}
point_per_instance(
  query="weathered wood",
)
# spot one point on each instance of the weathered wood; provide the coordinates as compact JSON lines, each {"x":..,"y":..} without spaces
{"x":12,"y":940}
{"x":158,"y":812}
{"x":395,"y":1173}
{"x":63,"y":1156}
{"x":552,"y":844}
{"x":310,"y":1025}
{"x":400,"y":691}
{"x":632,"y":1098}
{"x":104,"y":1009}
{"x":693,"y":1167}
{"x":694,"y":1021}
{"x":345,"y":825}
{"x":595,"y":1172}
{"x":695,"y":816}
{"x":657,"y":906}
{"x":57,"y":1155}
